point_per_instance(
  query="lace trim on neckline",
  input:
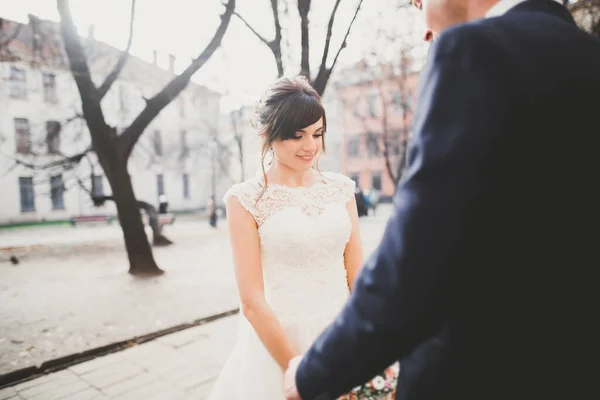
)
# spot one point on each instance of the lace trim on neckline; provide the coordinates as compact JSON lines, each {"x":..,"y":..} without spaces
{"x":323,"y":180}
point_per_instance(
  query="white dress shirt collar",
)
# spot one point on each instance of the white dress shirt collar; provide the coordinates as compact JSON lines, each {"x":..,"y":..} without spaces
{"x":501,"y":7}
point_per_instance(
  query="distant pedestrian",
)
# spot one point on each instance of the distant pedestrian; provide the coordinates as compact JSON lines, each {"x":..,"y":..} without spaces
{"x":361,"y":203}
{"x":212,"y":212}
{"x":163,"y":204}
{"x":374,"y":199}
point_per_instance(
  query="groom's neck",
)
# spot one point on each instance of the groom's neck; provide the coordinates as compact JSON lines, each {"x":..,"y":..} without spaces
{"x":478,"y":8}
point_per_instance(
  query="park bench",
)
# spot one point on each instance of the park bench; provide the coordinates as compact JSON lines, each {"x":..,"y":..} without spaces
{"x":86,"y":219}
{"x":163,"y":219}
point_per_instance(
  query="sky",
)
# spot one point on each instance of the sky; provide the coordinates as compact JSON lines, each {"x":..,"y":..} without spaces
{"x":243,"y":67}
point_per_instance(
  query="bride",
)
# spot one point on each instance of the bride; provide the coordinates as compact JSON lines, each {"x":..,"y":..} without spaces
{"x":296,"y":245}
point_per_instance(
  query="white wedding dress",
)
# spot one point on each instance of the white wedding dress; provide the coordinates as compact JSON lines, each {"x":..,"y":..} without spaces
{"x":303,"y":234}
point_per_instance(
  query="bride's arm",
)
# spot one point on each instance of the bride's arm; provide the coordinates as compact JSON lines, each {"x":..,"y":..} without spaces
{"x":248,"y":272}
{"x":353,"y":255}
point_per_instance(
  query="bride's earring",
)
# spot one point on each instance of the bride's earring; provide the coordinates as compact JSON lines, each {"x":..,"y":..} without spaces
{"x":271,"y":154}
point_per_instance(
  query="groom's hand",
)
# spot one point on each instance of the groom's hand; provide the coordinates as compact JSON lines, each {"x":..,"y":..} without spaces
{"x":289,"y":379}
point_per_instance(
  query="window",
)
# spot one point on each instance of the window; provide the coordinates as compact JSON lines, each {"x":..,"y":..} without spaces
{"x":23,"y":135}
{"x":393,"y":143}
{"x":373,"y":147}
{"x":18,"y":83}
{"x":184,"y":144}
{"x":53,"y":137}
{"x":49,"y":82}
{"x":186,"y":186}
{"x":157,"y":142}
{"x":356,"y":108}
{"x":353,"y":146}
{"x":97,"y":188}
{"x":57,"y":189}
{"x":376,"y":181}
{"x":372,"y":104}
{"x":397,"y":100}
{"x":160,"y":184}
{"x":27,"y":194}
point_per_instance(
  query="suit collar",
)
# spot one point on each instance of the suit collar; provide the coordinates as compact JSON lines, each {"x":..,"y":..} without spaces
{"x":551,"y":7}
{"x":501,"y":7}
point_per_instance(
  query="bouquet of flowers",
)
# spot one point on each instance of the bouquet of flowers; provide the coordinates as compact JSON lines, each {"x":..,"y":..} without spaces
{"x":381,"y":387}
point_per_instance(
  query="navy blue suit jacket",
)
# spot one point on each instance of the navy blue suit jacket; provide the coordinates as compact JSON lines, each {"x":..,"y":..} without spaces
{"x":492,"y":222}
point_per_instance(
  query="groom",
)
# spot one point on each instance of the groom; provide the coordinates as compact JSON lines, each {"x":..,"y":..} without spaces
{"x":479,"y":284}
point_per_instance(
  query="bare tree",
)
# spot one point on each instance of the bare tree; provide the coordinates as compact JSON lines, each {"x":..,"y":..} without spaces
{"x":319,"y":82}
{"x":400,"y":78}
{"x":401,"y":71}
{"x":41,"y":41}
{"x":388,"y":76}
{"x":218,"y":150}
{"x":235,"y":118}
{"x":68,"y":166}
{"x":390,"y":93}
{"x":113,"y":150}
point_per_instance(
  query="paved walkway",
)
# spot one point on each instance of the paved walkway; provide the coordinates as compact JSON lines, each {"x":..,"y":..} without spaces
{"x":60,"y":305}
{"x":182,"y":366}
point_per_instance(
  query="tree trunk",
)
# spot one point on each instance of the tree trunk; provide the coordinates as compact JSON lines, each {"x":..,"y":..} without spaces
{"x":158,"y":239}
{"x":240,"y":143}
{"x":139,"y":252}
{"x":303,"y":9}
{"x":401,"y":161}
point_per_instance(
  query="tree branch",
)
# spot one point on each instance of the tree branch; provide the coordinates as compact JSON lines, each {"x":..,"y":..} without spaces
{"x":65,"y":161}
{"x":130,"y":136}
{"x":320,"y":83}
{"x":303,"y":9}
{"x":323,"y":66}
{"x":73,"y":118}
{"x":112,"y":77}
{"x":258,"y":35}
{"x":158,"y":239}
{"x":90,"y":100}
{"x":385,"y":134}
{"x":328,"y":37}
{"x":275,"y":44}
{"x":239,"y":141}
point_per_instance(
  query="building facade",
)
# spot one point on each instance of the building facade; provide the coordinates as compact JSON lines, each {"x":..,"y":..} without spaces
{"x":378,"y":103}
{"x":41,"y":127}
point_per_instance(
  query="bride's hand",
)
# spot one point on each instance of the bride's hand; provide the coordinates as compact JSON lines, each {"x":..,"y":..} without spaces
{"x":289,"y":379}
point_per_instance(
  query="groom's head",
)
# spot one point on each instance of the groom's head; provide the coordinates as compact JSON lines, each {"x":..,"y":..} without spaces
{"x":442,"y":14}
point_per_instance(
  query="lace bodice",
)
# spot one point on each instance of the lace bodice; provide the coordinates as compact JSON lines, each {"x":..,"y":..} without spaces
{"x":334,"y":189}
{"x":303,"y":234}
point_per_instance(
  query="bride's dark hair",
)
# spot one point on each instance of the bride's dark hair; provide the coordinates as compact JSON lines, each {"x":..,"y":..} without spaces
{"x":288,"y":105}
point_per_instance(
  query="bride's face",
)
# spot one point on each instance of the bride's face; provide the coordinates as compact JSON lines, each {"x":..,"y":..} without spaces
{"x":300,"y":152}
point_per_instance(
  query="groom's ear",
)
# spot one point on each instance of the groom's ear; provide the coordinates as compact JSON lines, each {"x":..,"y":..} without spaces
{"x":428,"y":37}
{"x":418,"y":4}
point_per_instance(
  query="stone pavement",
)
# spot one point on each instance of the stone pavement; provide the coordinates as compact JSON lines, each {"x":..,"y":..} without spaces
{"x":55,"y":306}
{"x":182,"y":365}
